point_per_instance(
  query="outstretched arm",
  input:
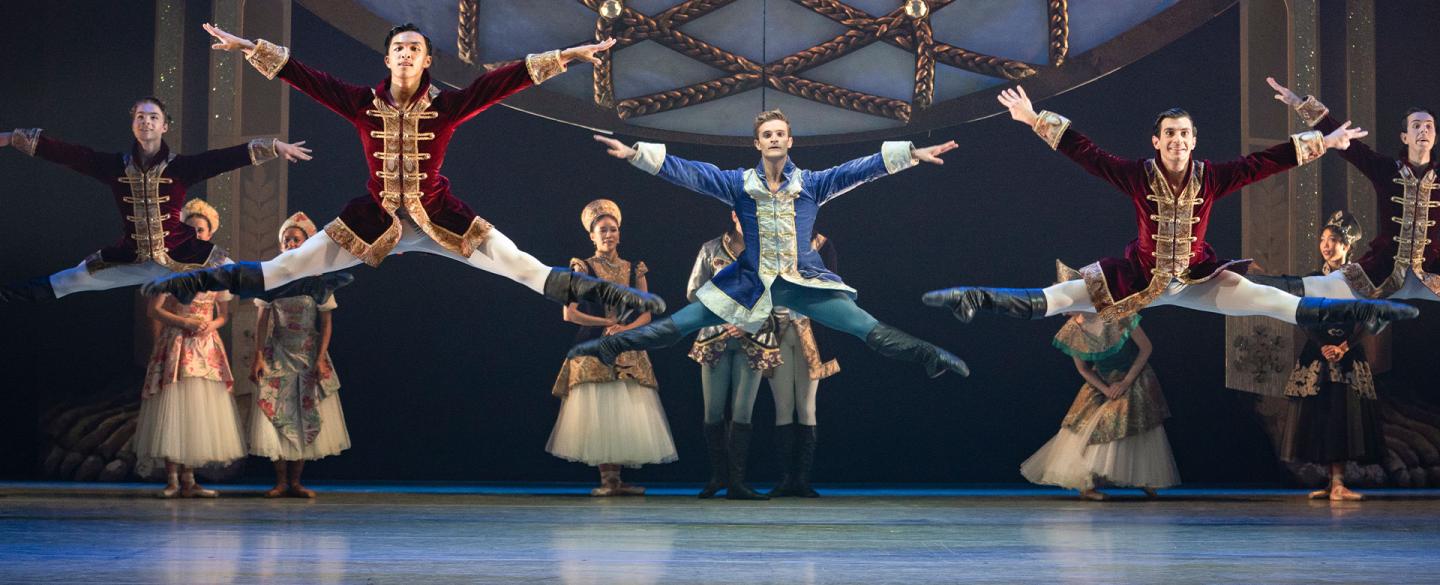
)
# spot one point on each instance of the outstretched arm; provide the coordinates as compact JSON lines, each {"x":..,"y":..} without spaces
{"x":502,"y":82}
{"x":1055,"y":130}
{"x":703,"y":178}
{"x":78,"y":158}
{"x":1302,"y":148}
{"x":893,"y":158}
{"x":1375,"y":166}
{"x":272,"y":60}
{"x":256,"y":152}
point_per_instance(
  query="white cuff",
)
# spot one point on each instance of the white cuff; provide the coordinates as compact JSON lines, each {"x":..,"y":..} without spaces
{"x":897,"y":156}
{"x":648,"y":157}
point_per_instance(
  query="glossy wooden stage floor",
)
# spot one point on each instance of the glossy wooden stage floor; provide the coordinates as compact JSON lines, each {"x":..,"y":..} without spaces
{"x":65,"y":533}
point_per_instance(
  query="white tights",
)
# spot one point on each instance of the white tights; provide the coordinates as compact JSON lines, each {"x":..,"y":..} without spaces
{"x":1227,"y":293}
{"x":320,"y":254}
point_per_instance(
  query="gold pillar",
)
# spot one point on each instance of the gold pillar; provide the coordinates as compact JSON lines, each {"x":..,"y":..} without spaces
{"x":252,"y":201}
{"x":1360,"y":110}
{"x":1280,"y":215}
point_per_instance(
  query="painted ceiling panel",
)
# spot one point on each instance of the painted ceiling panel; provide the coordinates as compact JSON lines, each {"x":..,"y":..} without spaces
{"x":704,"y":77}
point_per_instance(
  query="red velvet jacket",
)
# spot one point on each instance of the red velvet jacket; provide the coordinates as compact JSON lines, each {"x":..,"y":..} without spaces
{"x":1171,"y":226}
{"x":1408,"y":238}
{"x":148,"y":196}
{"x":405,"y":146}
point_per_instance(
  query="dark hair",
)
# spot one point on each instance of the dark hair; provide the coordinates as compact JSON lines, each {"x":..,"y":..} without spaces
{"x":160,"y":104}
{"x":1405,"y":120}
{"x":1175,"y":113}
{"x":769,"y":116}
{"x":407,"y":27}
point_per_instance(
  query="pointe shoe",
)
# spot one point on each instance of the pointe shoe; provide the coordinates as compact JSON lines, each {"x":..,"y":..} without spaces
{"x":190,"y":489}
{"x":1320,"y":494}
{"x":300,"y":491}
{"x":1093,"y":495}
{"x":1343,"y":494}
{"x":171,"y":491}
{"x":195,"y":491}
{"x":626,"y":489}
{"x":278,"y":491}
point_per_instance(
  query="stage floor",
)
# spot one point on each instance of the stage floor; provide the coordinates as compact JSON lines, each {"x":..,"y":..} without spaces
{"x":376,"y":534}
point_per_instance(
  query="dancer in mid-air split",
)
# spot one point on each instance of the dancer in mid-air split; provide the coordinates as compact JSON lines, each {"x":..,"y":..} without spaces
{"x":149,"y":184}
{"x":1169,"y":263}
{"x":776,"y":203}
{"x":1403,"y":261}
{"x":405,"y":125}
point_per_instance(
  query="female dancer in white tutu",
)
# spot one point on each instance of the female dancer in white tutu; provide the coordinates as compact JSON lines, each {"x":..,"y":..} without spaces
{"x":297,"y":415}
{"x":1114,"y":433}
{"x":187,"y":413}
{"x":610,"y":415}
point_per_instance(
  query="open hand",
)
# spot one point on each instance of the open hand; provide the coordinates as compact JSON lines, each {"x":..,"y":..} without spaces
{"x":615,"y":148}
{"x":1342,"y":136}
{"x":1018,"y":103}
{"x":931,"y":154}
{"x":586,"y":53}
{"x":225,"y":41}
{"x":322,"y":366}
{"x":1283,"y":94}
{"x":293,"y":152}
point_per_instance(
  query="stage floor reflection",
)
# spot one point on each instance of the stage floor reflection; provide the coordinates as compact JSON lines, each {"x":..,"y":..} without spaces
{"x":104,"y":534}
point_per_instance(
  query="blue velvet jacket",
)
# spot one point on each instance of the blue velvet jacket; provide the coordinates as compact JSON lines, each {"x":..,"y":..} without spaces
{"x":778,"y":225}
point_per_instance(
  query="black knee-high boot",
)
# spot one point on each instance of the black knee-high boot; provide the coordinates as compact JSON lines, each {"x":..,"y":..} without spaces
{"x":806,"y":438}
{"x":245,"y":280}
{"x":1374,"y":315}
{"x":785,"y":453}
{"x":566,"y":286}
{"x":965,"y":301}
{"x":896,"y":344}
{"x":719,"y":460}
{"x":30,"y":291}
{"x":739,"y":452}
{"x":662,"y":333}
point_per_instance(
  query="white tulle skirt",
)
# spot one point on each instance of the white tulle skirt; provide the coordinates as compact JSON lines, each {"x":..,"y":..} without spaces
{"x":1069,"y":461}
{"x":617,"y":422}
{"x":333,"y":437}
{"x":192,"y":422}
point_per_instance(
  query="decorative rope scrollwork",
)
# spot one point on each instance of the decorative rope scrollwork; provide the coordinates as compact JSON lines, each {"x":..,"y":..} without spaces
{"x":467,"y":33}
{"x":687,"y":96}
{"x":1059,"y":31}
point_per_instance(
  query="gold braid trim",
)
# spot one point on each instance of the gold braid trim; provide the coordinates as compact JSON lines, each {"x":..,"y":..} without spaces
{"x":263,"y":150}
{"x":268,"y":58}
{"x":1308,"y":146}
{"x":1311,"y":111}
{"x":462,"y":244}
{"x":1362,"y":380}
{"x":1304,"y":380}
{"x":1050,"y":126}
{"x":25,"y":140}
{"x":1359,"y":281}
{"x":543,"y":66}
{"x":369,"y":253}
